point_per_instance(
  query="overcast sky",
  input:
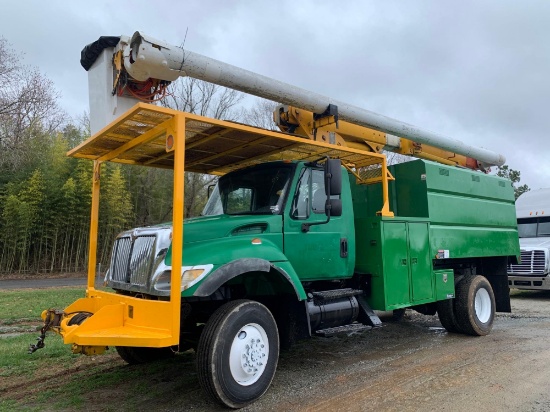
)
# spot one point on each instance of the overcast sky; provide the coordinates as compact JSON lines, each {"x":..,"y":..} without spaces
{"x":474,"y":71}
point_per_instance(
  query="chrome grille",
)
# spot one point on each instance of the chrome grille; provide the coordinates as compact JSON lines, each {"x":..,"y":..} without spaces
{"x":120,"y":258}
{"x":140,"y":263}
{"x":533,"y":262}
{"x":131,"y":260}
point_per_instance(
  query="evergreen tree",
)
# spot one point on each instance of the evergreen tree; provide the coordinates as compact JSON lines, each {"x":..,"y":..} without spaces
{"x":515,"y":176}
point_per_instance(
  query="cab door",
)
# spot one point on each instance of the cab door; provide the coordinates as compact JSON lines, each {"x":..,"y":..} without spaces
{"x":325,"y":251}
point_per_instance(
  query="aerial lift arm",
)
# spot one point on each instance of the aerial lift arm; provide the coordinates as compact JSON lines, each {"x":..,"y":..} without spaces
{"x":143,"y":67}
{"x":327,"y":128}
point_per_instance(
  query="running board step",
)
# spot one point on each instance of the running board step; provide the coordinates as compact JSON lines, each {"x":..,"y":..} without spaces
{"x":325,"y":295}
{"x":349,"y":329}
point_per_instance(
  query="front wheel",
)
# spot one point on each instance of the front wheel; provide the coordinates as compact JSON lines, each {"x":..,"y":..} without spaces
{"x":238,"y":352}
{"x":475,"y":305}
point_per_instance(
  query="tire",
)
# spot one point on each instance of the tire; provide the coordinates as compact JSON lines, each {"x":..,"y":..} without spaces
{"x":397,"y":315}
{"x":475,"y":305}
{"x":447,"y":317}
{"x":238,"y":353}
{"x":138,"y":355}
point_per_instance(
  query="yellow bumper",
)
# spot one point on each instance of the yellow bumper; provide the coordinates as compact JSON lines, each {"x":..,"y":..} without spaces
{"x":119,"y":320}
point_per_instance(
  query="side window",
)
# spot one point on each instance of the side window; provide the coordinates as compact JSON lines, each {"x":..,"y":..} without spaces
{"x":318,"y":192}
{"x":300,"y":203}
{"x":544,"y":227}
{"x":310,"y":194}
{"x":239,"y":200}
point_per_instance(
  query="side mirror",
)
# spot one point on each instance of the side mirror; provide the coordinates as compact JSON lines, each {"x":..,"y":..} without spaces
{"x":334,"y":207}
{"x":333,"y":177}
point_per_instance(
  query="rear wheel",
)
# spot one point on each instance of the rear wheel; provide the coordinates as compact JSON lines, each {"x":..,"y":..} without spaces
{"x":447,"y":317}
{"x":475,"y":305}
{"x":137,"y":355}
{"x":238,"y":352}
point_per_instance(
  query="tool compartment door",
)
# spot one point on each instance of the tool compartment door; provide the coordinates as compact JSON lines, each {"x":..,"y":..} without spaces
{"x":419,"y":262}
{"x":396,"y":264}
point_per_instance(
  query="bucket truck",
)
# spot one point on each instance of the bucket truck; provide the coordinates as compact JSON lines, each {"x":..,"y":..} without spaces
{"x":307,"y":233}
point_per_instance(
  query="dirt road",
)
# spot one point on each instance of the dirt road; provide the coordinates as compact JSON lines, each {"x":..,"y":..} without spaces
{"x":410,"y":366}
{"x":41,"y":283}
{"x":414,"y":365}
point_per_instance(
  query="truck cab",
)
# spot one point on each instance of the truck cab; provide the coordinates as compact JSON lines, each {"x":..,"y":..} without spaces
{"x":533,"y":215}
{"x":254,"y":218}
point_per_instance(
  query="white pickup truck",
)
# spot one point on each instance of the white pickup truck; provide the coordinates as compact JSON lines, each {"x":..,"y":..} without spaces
{"x":533,"y":214}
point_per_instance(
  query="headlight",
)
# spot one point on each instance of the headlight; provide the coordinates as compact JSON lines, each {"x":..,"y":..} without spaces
{"x":190,"y":275}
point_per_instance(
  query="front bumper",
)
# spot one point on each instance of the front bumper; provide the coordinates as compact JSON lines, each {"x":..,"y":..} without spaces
{"x":116,"y":320}
{"x":529,"y":282}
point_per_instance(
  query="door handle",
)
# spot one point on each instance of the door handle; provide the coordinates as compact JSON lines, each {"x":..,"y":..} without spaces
{"x":343,"y":248}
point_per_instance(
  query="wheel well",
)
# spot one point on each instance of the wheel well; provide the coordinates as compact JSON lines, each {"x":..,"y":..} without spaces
{"x":492,"y":268}
{"x":271,"y":288}
{"x":263,"y":283}
{"x":276,"y":292}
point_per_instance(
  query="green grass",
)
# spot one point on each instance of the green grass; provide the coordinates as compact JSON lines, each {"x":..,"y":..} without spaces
{"x":16,"y":361}
{"x":28,"y":304}
{"x":54,"y":378}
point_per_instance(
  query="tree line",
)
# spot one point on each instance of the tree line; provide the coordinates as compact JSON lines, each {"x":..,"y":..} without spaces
{"x":45,"y":196}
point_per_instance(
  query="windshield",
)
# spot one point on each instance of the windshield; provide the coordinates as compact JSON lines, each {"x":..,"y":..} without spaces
{"x":534,"y":227}
{"x":251,"y":191}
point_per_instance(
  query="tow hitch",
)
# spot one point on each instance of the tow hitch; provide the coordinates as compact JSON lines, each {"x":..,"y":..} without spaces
{"x":52,"y":321}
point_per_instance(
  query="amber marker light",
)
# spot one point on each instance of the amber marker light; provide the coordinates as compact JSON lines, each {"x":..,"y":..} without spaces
{"x":169,"y":142}
{"x":256,"y":241}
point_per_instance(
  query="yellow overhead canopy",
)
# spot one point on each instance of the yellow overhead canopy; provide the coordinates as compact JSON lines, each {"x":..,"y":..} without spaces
{"x":211,"y":146}
{"x":152,"y":136}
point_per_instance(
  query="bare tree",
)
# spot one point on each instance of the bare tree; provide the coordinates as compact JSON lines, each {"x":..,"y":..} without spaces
{"x":28,"y":107}
{"x":203,"y":98}
{"x":206,"y":99}
{"x":261,"y":114}
{"x":9,"y":65}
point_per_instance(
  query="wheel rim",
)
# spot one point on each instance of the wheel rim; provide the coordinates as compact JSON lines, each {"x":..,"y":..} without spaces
{"x":483,"y":305}
{"x":249,"y":354}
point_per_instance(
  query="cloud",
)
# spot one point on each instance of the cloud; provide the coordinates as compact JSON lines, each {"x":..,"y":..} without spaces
{"x":475,"y":71}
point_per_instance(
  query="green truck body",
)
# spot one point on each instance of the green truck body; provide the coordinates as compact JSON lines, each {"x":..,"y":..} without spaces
{"x":445,"y":216}
{"x":448,"y":221}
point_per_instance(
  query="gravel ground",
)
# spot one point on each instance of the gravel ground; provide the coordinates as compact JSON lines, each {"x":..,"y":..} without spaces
{"x":412,"y":365}
{"x":417,"y":365}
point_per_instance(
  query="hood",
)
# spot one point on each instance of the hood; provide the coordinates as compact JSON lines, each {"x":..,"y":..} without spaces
{"x":534,"y":242}
{"x":214,"y":227}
